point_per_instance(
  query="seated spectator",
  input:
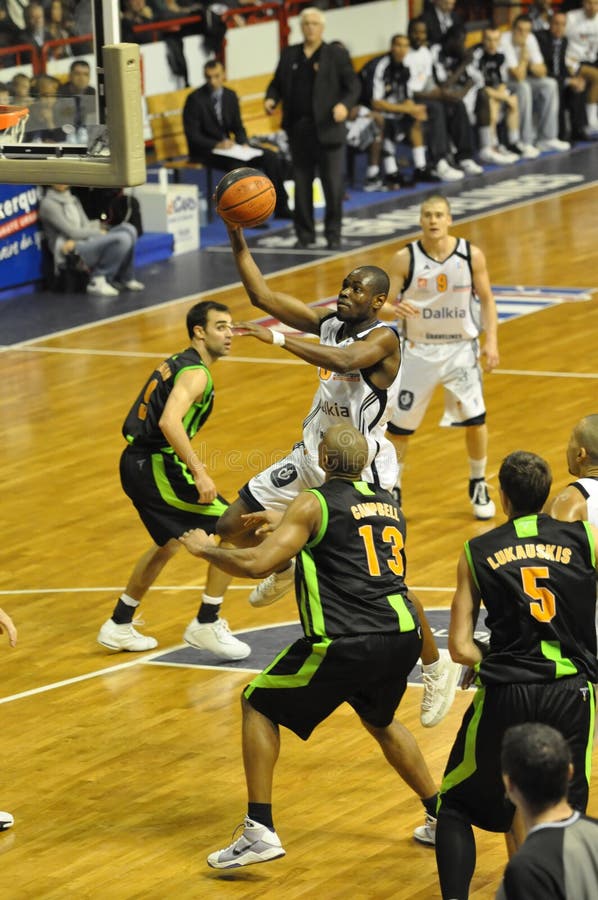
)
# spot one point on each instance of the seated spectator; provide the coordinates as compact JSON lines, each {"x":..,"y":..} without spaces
{"x":60,"y":26}
{"x":582,"y":53}
{"x":4,"y":94}
{"x":572,"y":87}
{"x":136,"y":12}
{"x":21,"y":89}
{"x":212,"y":122}
{"x":559,"y":857}
{"x":536,"y":93}
{"x":35,"y":31}
{"x":365,"y":132}
{"x":447,"y":116}
{"x":403,"y":117}
{"x":108,"y":254}
{"x":41,"y":125}
{"x":438,"y":16}
{"x":76,"y":106}
{"x":493,"y":101}
{"x":540,"y":13}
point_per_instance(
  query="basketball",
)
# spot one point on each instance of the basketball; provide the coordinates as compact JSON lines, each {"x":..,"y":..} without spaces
{"x":245,"y":197}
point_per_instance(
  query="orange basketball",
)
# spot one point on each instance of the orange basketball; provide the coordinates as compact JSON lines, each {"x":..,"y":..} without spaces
{"x":245,"y":197}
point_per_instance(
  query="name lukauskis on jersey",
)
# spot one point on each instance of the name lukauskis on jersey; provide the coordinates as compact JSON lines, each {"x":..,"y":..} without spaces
{"x":445,"y":312}
{"x":552,"y":552}
{"x":333,"y":409}
{"x":366,"y":510}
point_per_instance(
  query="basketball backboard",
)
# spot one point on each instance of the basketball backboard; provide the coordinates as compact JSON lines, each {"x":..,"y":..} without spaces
{"x":109,"y":149}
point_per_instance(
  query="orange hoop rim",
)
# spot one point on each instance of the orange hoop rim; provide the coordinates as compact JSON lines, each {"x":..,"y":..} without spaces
{"x":12,"y":115}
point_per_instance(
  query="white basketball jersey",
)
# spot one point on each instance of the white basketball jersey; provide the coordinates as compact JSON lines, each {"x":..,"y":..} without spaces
{"x":350,"y":398}
{"x":443,"y":292}
{"x":589,"y":489}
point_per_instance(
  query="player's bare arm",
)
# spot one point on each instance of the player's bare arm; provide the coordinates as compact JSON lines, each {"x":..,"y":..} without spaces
{"x":7,"y":624}
{"x":569,"y":506}
{"x":482,"y":287}
{"x":378,"y":353}
{"x":188,"y":389}
{"x":300,"y":522}
{"x":284,"y":307}
{"x":464,"y":613}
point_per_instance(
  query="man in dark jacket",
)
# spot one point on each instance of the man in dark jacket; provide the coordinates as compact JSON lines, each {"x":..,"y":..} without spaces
{"x":317,"y":86}
{"x":572,"y":86}
{"x":212,"y":122}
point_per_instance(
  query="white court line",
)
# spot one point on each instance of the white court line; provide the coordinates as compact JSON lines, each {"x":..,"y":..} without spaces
{"x":149,"y":658}
{"x":235,"y":284}
{"x":253,"y":360}
{"x":161,"y":587}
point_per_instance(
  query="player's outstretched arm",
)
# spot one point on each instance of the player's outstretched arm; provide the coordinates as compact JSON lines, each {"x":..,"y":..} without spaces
{"x":7,"y":624}
{"x":301,"y":521}
{"x":464,"y":613}
{"x":284,"y":307}
{"x":482,"y":287}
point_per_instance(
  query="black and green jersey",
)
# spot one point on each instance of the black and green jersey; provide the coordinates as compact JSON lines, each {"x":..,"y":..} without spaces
{"x":141,"y":425}
{"x":537,"y":579}
{"x":350,"y":576}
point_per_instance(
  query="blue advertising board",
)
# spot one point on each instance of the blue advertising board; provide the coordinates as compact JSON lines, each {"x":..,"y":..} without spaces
{"x":20,"y":235}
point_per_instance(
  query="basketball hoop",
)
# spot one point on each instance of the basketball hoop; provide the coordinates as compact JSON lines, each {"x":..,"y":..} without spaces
{"x":12,"y":123}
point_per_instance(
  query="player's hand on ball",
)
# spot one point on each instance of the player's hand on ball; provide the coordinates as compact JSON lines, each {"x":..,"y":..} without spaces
{"x":196,"y":540}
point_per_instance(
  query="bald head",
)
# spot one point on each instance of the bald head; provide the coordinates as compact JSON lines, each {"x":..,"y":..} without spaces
{"x":582,"y":450}
{"x":343,"y":452}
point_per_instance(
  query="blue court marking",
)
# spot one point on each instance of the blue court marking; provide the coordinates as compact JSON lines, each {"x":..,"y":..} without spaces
{"x":267,"y":642}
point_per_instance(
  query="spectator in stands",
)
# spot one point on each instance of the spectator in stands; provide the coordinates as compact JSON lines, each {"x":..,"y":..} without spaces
{"x":12,"y":22}
{"x":35,"y":31}
{"x":4,"y":94}
{"x":572,"y":87}
{"x":540,"y":13}
{"x":20,"y":89}
{"x":439,"y":15}
{"x":136,"y":12}
{"x":403,"y":117}
{"x":212,"y":122}
{"x":42,"y":125}
{"x":447,"y":116}
{"x":582,"y":53}
{"x":536,"y":93}
{"x":317,"y":86}
{"x":76,"y":105}
{"x":59,"y":26}
{"x":108,"y":254}
{"x":493,"y":101}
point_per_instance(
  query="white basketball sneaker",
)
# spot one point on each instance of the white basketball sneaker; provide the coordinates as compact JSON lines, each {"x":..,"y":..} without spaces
{"x":257,"y":844}
{"x":273,"y":587}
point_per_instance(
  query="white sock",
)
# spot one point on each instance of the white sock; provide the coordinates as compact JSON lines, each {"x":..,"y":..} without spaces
{"x":211,"y":601}
{"x":390,"y":165}
{"x":128,"y":601}
{"x":514,"y":137}
{"x":372,"y":171}
{"x":419,"y":157}
{"x":477,"y":468}
{"x":486,"y":136}
{"x":592,"y":114}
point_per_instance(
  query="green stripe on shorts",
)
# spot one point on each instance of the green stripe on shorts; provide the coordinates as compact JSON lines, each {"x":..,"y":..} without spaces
{"x":292,"y":680}
{"x":467,"y":766}
{"x":215,"y":508}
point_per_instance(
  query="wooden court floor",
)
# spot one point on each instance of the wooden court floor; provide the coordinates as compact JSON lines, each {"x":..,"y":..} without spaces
{"x":123,"y":775}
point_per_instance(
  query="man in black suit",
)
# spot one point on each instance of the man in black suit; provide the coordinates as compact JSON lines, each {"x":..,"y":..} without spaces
{"x":572,"y":86}
{"x":212,"y":121}
{"x":439,"y":16}
{"x":317,"y":86}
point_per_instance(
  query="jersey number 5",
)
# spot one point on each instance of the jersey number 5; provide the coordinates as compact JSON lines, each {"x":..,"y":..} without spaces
{"x":390,"y":535}
{"x":543,"y":605}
